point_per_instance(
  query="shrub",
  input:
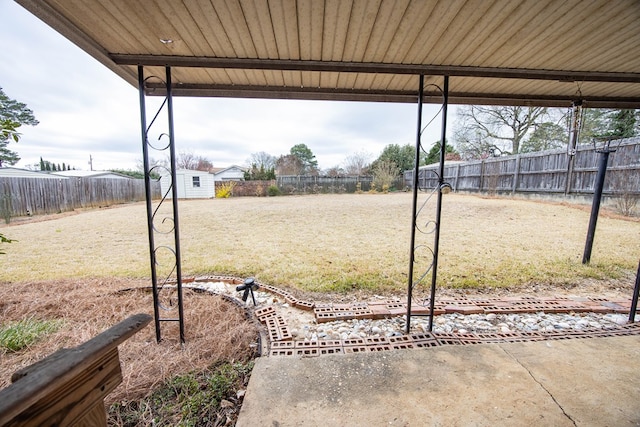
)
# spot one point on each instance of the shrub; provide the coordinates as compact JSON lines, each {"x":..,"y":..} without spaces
{"x":225,"y":189}
{"x":16,"y":336}
{"x":273,"y":190}
{"x":625,"y":185}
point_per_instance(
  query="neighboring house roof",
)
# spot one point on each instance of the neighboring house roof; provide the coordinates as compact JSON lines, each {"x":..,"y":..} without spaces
{"x":185,"y":172}
{"x":218,"y":171}
{"x":90,"y":174}
{"x":24,"y":173}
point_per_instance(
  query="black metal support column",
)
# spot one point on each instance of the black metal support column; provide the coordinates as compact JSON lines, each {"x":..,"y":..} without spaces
{"x":176,"y":224}
{"x":430,"y":226}
{"x":147,"y":186}
{"x":595,"y":206}
{"x":414,"y":211}
{"x":164,"y":255}
{"x":634,"y":300}
{"x":436,"y":239}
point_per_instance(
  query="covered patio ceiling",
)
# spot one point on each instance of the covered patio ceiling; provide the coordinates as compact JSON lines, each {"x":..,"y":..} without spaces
{"x":527,"y":52}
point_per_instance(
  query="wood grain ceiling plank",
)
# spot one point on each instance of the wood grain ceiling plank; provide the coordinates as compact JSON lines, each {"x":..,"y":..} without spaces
{"x":329,"y":80}
{"x":480,"y":33}
{"x":286,"y":19}
{"x":336,"y":35}
{"x":361,"y":22}
{"x":347,"y":80}
{"x":209,"y":24}
{"x":262,"y":33}
{"x":235,"y":25}
{"x":189,"y":32}
{"x":96,"y":22}
{"x":310,"y":26}
{"x":285,"y":31}
{"x":389,"y":18}
{"x":554,"y":28}
{"x":442,"y":13}
{"x":450,"y":40}
{"x":412,"y":26}
{"x":582,"y":38}
{"x":506,"y":38}
{"x":155,"y":26}
{"x":613,"y":42}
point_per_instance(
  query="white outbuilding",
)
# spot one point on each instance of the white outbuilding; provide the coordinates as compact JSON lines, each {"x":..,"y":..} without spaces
{"x":191,"y":184}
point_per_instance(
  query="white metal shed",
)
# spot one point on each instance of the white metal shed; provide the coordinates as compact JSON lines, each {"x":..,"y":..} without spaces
{"x":191,"y":184}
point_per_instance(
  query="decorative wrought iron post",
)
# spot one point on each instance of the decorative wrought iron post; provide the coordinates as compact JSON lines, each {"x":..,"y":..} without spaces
{"x":414,"y":211}
{"x":164,"y":252}
{"x":439,"y":188}
{"x":634,"y":299}
{"x":603,"y":159}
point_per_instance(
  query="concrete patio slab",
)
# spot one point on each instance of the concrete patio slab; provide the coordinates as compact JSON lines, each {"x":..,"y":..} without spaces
{"x":583,"y":382}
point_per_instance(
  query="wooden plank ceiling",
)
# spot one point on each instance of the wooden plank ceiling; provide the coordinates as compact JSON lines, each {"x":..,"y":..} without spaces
{"x":527,"y":52}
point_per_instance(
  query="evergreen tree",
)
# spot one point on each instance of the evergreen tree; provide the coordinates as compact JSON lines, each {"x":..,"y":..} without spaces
{"x":307,"y":158}
{"x":622,"y":123}
{"x":13,"y":114}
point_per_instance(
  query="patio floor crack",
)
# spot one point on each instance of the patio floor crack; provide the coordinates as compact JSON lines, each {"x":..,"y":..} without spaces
{"x":541,"y":386}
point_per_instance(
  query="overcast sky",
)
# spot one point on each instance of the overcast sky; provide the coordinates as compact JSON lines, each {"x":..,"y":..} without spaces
{"x":85,"y":110}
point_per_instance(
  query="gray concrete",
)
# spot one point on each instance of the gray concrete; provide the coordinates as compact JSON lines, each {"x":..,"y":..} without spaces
{"x":583,"y":382}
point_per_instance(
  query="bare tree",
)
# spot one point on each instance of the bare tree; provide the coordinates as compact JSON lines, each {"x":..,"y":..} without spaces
{"x":488,"y":130}
{"x":289,"y":165}
{"x":188,"y":160}
{"x":384,"y":174}
{"x":357,"y":163}
{"x":334,"y":171}
{"x":262,"y":159}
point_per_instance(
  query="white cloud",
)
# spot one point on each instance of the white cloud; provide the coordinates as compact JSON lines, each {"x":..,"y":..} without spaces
{"x":86,"y":110}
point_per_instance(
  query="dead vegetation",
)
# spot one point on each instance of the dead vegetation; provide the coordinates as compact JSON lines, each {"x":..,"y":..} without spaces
{"x":217,"y":330}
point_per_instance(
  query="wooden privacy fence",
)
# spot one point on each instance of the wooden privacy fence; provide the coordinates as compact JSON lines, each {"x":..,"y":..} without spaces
{"x":38,"y":196}
{"x":542,"y":172}
{"x":301,"y":184}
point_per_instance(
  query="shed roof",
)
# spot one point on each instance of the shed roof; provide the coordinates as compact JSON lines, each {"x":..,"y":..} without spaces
{"x":25,"y":173}
{"x":527,"y":52}
{"x":90,"y":174}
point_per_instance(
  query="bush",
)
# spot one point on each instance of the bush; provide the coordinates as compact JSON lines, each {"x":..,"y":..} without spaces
{"x":16,"y":336}
{"x":225,"y":189}
{"x":273,"y":190}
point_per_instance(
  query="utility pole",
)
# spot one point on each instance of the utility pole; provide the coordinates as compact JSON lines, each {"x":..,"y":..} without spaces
{"x":90,"y":163}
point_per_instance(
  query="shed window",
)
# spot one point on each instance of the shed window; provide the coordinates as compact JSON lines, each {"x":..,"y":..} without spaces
{"x":196,"y":181}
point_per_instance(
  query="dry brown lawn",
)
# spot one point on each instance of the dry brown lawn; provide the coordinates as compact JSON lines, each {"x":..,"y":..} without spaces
{"x":333,"y":242}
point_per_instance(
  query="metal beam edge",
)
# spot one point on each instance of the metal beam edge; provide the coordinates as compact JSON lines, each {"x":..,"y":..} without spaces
{"x":320,"y":94}
{"x":384,"y":68}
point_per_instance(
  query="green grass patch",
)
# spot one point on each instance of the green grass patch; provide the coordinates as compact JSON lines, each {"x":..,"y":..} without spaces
{"x":192,"y":399}
{"x":19,"y":335}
